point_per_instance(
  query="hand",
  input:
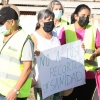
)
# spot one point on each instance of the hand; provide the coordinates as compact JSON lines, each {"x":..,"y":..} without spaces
{"x":92,"y":58}
{"x":11,"y":95}
{"x":83,"y":46}
{"x":36,"y":52}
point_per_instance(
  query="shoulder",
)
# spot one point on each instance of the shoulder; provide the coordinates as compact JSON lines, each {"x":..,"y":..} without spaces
{"x":91,"y":27}
{"x":28,"y":43}
{"x":28,"y":51}
{"x":34,"y":38}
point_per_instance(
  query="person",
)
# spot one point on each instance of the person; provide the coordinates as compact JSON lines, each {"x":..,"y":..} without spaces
{"x":16,"y":56}
{"x":90,"y":36}
{"x":59,"y":23}
{"x":43,"y":39}
{"x":59,"y":29}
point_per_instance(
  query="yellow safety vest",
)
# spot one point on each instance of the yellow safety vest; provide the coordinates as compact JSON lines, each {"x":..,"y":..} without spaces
{"x":89,"y":42}
{"x":11,"y":66}
{"x":63,"y":24}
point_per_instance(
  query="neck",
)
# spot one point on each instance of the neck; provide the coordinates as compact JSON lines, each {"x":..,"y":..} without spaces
{"x":57,"y":22}
{"x":47,"y":35}
{"x":13,"y":31}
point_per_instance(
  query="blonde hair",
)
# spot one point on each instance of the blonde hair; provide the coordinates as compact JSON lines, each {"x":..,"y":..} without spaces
{"x":53,"y":3}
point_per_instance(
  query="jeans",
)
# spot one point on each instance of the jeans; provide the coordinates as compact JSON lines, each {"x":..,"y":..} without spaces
{"x":3,"y":98}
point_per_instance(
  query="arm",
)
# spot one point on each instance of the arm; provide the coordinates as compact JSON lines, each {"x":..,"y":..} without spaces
{"x":36,"y":51}
{"x":95,"y":54}
{"x":97,"y":45}
{"x":25,"y":74}
{"x":22,"y":79}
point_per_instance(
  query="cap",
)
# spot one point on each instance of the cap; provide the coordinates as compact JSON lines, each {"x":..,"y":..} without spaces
{"x":8,"y":13}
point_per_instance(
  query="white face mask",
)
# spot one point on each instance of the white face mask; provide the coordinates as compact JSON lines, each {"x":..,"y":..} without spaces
{"x":58,"y":14}
{"x":3,"y":30}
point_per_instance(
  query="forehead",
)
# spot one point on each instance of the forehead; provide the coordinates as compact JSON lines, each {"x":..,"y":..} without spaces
{"x":84,"y":11}
{"x":49,"y":17}
{"x":57,"y":6}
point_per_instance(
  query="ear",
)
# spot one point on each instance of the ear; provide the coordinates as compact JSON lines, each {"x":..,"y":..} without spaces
{"x":13,"y":22}
{"x":76,"y":17}
{"x":41,"y":23}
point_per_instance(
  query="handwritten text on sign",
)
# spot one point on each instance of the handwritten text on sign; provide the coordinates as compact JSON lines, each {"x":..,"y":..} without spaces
{"x":61,"y":68}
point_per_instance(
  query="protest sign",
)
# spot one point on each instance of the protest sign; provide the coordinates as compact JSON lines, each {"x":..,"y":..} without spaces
{"x":61,"y":68}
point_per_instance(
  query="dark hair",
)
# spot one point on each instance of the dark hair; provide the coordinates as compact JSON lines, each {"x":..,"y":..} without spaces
{"x":43,"y":14}
{"x":77,"y":10}
{"x":53,"y":3}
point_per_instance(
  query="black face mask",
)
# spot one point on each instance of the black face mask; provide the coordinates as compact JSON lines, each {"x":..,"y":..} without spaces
{"x":83,"y":21}
{"x":48,"y":26}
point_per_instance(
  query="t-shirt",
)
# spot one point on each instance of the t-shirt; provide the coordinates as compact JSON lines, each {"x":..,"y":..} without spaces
{"x":28,"y":51}
{"x":60,"y":33}
{"x":56,"y":31}
{"x":43,"y":44}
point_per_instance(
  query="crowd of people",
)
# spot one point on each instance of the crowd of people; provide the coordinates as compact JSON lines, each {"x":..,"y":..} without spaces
{"x":18,"y":50}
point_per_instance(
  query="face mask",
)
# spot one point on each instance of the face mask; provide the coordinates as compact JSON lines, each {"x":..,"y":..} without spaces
{"x":58,"y":14}
{"x":3,"y":30}
{"x":83,"y":21}
{"x":48,"y":26}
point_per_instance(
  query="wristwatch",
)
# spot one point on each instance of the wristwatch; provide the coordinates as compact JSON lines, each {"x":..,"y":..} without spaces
{"x":16,"y":91}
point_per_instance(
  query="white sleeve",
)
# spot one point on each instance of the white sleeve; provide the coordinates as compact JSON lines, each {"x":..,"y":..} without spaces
{"x":28,"y":51}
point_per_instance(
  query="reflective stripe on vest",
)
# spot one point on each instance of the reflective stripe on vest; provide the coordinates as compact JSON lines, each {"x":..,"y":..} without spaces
{"x":93,"y":63}
{"x":10,"y":58}
{"x":9,"y":76}
{"x":89,"y":51}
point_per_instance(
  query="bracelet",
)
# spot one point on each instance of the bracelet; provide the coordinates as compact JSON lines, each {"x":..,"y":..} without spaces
{"x":16,"y":91}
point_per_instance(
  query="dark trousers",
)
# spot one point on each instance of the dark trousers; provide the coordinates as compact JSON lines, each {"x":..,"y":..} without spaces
{"x":84,"y":92}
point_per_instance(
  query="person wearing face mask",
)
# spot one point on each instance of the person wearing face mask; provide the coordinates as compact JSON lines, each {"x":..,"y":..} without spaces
{"x":59,"y":23}
{"x":43,"y":39}
{"x":16,"y":56}
{"x":90,"y":36}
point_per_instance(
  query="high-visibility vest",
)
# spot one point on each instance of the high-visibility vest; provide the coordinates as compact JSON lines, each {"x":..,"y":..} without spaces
{"x":63,"y":24}
{"x":60,"y":30}
{"x":89,"y":42}
{"x":11,"y":65}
